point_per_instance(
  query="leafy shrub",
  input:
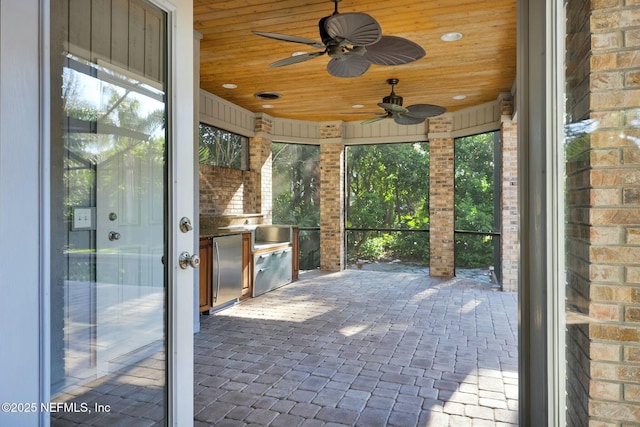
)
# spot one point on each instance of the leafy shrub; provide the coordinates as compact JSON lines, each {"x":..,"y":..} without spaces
{"x":375,"y":248}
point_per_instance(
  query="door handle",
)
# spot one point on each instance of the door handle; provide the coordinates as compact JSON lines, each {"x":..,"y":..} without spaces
{"x":114,"y":235}
{"x":216,"y":249}
{"x":186,"y":260}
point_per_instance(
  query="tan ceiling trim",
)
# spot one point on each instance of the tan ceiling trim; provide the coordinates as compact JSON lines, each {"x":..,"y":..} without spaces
{"x":223,"y":114}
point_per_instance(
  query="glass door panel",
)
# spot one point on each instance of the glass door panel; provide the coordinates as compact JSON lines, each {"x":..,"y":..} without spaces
{"x":109,"y":214}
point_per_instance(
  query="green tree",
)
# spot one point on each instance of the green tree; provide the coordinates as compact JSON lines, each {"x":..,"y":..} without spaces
{"x":296,"y":179}
{"x":474,"y":199}
{"x":219,"y":147}
{"x":388,"y":187}
{"x":296,"y":195}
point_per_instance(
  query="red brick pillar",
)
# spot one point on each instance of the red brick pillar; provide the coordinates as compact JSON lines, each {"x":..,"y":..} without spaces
{"x":441,"y":198}
{"x":509,"y":240}
{"x":332,"y":164}
{"x":260,"y":163}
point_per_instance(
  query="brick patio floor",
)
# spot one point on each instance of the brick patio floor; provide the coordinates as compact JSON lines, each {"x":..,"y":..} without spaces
{"x":361,"y":348}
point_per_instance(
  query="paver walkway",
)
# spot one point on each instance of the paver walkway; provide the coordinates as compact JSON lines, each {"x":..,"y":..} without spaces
{"x":361,"y":348}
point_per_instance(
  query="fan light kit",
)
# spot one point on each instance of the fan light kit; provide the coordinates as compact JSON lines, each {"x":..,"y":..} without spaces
{"x":410,"y":115}
{"x":353,"y":41}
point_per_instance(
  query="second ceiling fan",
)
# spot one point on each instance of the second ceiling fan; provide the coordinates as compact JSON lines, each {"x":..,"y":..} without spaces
{"x":411,"y":115}
{"x":353,"y":41}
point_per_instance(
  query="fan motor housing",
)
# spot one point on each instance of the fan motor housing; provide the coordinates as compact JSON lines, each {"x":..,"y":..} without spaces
{"x":392,"y":99}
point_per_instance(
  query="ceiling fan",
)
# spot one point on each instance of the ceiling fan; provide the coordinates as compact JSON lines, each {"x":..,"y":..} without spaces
{"x":411,"y":115}
{"x":353,"y":41}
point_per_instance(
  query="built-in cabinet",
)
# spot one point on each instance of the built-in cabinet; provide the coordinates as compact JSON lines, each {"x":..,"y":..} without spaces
{"x":272,"y":268}
{"x":240,"y":265}
{"x":222,"y":270}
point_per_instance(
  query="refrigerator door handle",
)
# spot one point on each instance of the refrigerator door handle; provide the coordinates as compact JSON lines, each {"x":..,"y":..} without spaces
{"x":216,"y":251}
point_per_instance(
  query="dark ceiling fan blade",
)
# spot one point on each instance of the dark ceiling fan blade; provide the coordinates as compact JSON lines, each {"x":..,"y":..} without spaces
{"x":392,"y":50}
{"x":295,"y":59}
{"x":358,"y":29}
{"x":374,"y":119}
{"x":368,"y":113}
{"x":287,"y":38}
{"x":404,"y":119}
{"x":394,"y":108}
{"x":348,"y":66}
{"x":425,"y":110}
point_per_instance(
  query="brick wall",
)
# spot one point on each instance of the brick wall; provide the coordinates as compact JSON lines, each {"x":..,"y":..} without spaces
{"x":603,"y":213}
{"x":224,"y":191}
{"x":441,"y":200}
{"x":509,"y":240}
{"x":332,"y":204}
{"x":331,"y":130}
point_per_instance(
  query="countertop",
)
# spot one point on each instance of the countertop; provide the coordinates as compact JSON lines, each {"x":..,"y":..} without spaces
{"x":206,"y":234}
{"x":262,"y":246}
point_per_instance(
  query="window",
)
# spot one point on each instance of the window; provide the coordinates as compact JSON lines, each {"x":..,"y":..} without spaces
{"x":219,"y":147}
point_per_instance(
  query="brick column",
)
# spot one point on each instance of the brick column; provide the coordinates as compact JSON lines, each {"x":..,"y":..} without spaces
{"x":603,"y":214}
{"x":509,"y":240}
{"x":260,"y":163}
{"x":332,"y":197}
{"x":441,"y":199}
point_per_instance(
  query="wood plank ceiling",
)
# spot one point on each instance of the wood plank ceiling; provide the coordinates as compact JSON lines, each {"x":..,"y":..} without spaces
{"x":479,"y":66}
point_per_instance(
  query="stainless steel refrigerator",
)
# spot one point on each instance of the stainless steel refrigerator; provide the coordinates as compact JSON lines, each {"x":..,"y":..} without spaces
{"x":227,"y":269}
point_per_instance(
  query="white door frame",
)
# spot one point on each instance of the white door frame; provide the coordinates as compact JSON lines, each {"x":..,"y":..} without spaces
{"x":181,"y":204}
{"x":22,"y":215}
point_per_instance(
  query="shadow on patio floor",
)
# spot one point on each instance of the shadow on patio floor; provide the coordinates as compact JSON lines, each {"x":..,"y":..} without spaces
{"x":361,"y":348}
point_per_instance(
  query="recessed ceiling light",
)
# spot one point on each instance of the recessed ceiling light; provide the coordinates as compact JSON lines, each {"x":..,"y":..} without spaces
{"x":298,"y":53}
{"x":459,"y":97}
{"x":267,"y":106}
{"x":268,"y":96}
{"x":451,"y":37}
{"x":230,"y":86}
{"x":357,"y":106}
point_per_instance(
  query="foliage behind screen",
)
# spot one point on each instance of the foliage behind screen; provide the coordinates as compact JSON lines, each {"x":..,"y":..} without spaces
{"x":296,"y":195}
{"x":474,"y":199}
{"x":388,"y":187}
{"x":219,"y":147}
{"x":296,"y":184}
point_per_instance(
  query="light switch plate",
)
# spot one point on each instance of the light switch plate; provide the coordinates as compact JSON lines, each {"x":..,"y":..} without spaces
{"x":83,"y":218}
